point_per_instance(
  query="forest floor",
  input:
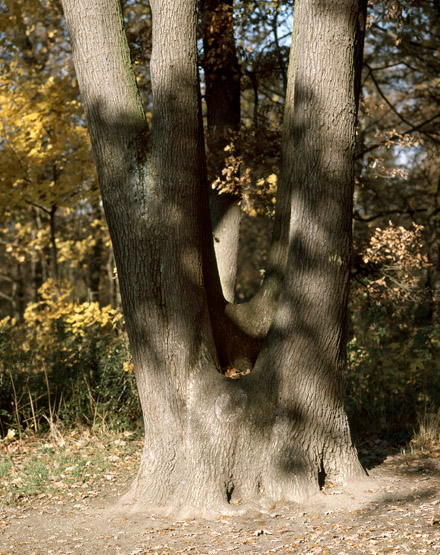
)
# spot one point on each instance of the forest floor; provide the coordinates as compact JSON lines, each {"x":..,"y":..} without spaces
{"x":57,"y":497}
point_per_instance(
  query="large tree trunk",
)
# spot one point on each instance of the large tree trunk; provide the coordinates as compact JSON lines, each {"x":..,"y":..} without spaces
{"x":210,"y":441}
{"x":303,"y":357}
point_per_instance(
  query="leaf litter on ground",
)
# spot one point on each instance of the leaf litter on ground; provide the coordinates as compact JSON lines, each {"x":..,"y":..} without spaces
{"x":38,"y":470}
{"x":59,"y":499}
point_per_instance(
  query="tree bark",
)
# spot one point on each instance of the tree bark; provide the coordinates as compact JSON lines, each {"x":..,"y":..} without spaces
{"x":212,"y":442}
{"x":305,"y":345}
{"x":96,"y":260}
{"x":53,"y":244}
{"x":433,"y":242}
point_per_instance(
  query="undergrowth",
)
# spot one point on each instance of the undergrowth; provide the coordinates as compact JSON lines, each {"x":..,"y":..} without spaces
{"x":67,"y":364}
{"x":393,"y":383}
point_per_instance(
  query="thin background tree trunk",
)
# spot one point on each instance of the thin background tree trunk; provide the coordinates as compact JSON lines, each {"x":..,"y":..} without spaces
{"x":222,"y":96}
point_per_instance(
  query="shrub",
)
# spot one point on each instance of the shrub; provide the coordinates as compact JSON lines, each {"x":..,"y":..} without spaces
{"x":391,"y":381}
{"x":67,"y":362}
{"x":393,"y":355}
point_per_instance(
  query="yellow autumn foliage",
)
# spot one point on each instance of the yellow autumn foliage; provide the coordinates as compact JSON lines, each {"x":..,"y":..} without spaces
{"x":45,"y":151}
{"x":56,"y":308}
{"x":70,"y":359}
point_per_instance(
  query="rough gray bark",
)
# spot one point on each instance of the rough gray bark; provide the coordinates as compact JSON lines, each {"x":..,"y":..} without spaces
{"x":210,"y":441}
{"x":305,"y":345}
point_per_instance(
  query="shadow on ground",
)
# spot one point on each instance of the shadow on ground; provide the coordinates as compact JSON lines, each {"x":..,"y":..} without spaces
{"x":374,"y":450}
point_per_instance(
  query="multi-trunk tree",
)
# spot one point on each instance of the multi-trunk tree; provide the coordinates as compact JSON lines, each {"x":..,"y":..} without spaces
{"x":279,"y":431}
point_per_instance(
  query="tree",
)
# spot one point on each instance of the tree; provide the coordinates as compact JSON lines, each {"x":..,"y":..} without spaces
{"x":48,"y":183}
{"x":281,"y":430}
{"x":222,"y":96}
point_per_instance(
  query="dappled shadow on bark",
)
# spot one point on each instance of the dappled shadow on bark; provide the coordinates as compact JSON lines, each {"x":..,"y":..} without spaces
{"x":158,"y":218}
{"x":276,"y":432}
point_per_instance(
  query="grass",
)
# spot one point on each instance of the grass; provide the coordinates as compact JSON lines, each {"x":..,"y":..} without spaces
{"x":429,"y":427}
{"x":4,"y":468}
{"x":81,"y":465}
{"x":73,"y":465}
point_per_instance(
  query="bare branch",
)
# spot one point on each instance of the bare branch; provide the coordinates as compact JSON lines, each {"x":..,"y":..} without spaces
{"x":412,"y":129}
{"x":359,"y":218}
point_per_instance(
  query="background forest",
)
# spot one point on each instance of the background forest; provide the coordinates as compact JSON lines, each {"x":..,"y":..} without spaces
{"x":64,"y":358}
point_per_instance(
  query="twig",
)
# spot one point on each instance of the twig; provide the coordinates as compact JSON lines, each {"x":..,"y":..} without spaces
{"x":396,"y":136}
{"x":17,"y":415}
{"x":48,"y":394}
{"x":32,"y":410}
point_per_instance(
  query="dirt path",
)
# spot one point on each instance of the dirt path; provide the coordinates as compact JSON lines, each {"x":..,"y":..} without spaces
{"x":396,"y":510}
